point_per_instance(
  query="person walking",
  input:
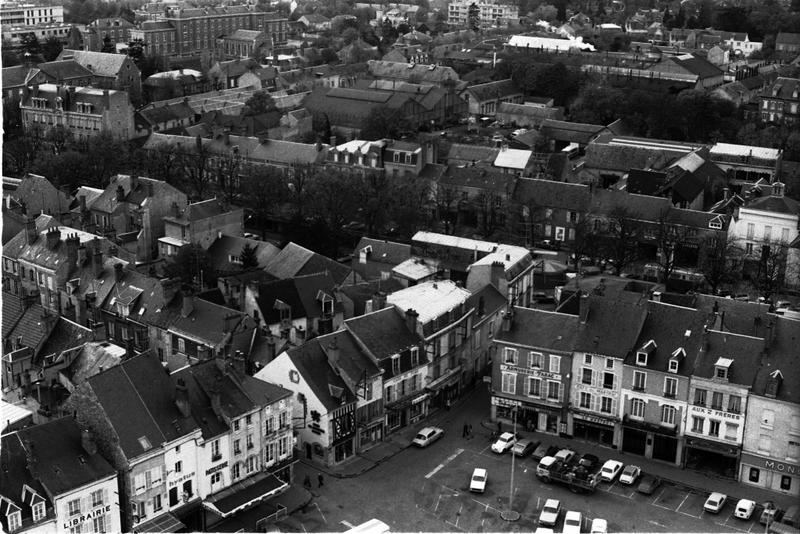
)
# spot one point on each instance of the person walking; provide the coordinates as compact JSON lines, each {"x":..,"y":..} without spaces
{"x":320,"y":480}
{"x":469,"y":430}
{"x":464,"y":431}
{"x":499,"y":428}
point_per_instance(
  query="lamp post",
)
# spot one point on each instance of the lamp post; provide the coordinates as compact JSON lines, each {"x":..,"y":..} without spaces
{"x":510,"y":514}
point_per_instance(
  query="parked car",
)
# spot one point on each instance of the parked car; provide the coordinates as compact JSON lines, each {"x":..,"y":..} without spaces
{"x":572,"y":522}
{"x":524,"y":447}
{"x":782,"y":304}
{"x":565,"y":455}
{"x":630,"y":474}
{"x":648,"y":484}
{"x":589,"y":461}
{"x":427,"y":435}
{"x":715,"y":502}
{"x":544,"y":530}
{"x":478,"y":481}
{"x":504,"y":442}
{"x":744,"y":508}
{"x":792,"y":516}
{"x":610,"y":470}
{"x":770,"y":514}
{"x":544,"y":450}
{"x":550,"y":513}
{"x":599,"y":526}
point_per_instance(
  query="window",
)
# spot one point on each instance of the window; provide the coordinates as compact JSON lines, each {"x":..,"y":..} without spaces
{"x":181,"y":345}
{"x":606,"y":404}
{"x":216,"y":477}
{"x":767,"y":419}
{"x":97,"y":498}
{"x":751,"y":230}
{"x":767,"y":233}
{"x":553,"y":390}
{"x":794,"y":451}
{"x":637,"y":408}
{"x":38,"y":511}
{"x":555,"y":364}
{"x":735,"y":404}
{"x":215,"y":455}
{"x":608,"y":380}
{"x":395,"y":364}
{"x":14,"y":521}
{"x":250,"y":441}
{"x":510,"y":356}
{"x":639,"y":380}
{"x":673,"y":366}
{"x":748,"y":248}
{"x":713,"y":427}
{"x":670,"y":387}
{"x":534,"y":387}
{"x":509,"y":383}
{"x":764,"y":443}
{"x":536,"y":360}
{"x":74,"y":507}
{"x":178,"y":467}
{"x":609,"y":363}
{"x":700,"y":397}
{"x":157,"y":503}
{"x":697,"y":424}
{"x":587,"y":376}
{"x":237,"y":448}
{"x":668,"y":415}
{"x":586,"y":400}
{"x":754,"y":474}
{"x":731,"y":431}
{"x":236,"y":425}
{"x":716,"y":400}
{"x":786,"y":482}
{"x":587,"y":359}
{"x":235,"y":471}
{"x":282,"y":420}
{"x":641,"y":358}
{"x":414,"y":356}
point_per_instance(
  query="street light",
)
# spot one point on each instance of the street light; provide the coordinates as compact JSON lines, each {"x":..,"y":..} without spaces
{"x":510,"y":514}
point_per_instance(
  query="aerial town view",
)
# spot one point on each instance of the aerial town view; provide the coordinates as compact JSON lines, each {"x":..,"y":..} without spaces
{"x":388,"y":266}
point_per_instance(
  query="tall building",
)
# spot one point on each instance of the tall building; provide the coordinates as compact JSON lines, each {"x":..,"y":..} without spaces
{"x":19,"y":14}
{"x":491,"y":12}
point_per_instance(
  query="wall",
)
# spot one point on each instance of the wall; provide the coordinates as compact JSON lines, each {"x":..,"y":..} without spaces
{"x":108,"y":509}
{"x":206,"y":231}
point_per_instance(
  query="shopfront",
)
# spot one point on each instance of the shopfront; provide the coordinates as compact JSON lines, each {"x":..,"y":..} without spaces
{"x":445,"y":390}
{"x":651,"y":440}
{"x":594,"y":428}
{"x":530,"y":417}
{"x":407,"y":411}
{"x":712,"y":456}
{"x":770,"y":473}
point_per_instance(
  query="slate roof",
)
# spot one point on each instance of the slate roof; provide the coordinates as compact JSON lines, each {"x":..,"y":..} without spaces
{"x":548,"y":193}
{"x":535,"y":112}
{"x":66,"y":335}
{"x":145,"y":295}
{"x":17,"y":76}
{"x":463,"y":153}
{"x":206,"y":322}
{"x":733,"y":315}
{"x":782,"y":357}
{"x":99,"y":63}
{"x":107,"y":201}
{"x":41,"y":196}
{"x":542,"y":329}
{"x":571,"y":132}
{"x":138,"y":399}
{"x":15,"y":476}
{"x":429,"y":299}
{"x":28,"y":323}
{"x":785,"y":88}
{"x":295,"y":260}
{"x":404,"y":71}
{"x":162,"y":114}
{"x":620,"y":316}
{"x":383,"y":251}
{"x":312,"y":363}
{"x":351,"y":359}
{"x":494,"y":90}
{"x":198,"y":211}
{"x":383,"y":332}
{"x":362,"y":292}
{"x":486,"y":301}
{"x":776,"y":204}
{"x":229,"y":245}
{"x":623,"y":158}
{"x":64,"y":70}
{"x":480,"y":178}
{"x":696,"y":65}
{"x":299,"y":293}
{"x":745,"y":351}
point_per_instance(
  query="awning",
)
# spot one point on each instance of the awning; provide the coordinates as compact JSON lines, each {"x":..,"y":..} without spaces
{"x":163,"y":523}
{"x":445,"y":380}
{"x":245,"y":494}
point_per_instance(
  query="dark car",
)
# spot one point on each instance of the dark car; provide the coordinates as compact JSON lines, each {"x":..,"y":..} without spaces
{"x":589,"y":461}
{"x":648,"y":484}
{"x":524,"y":447}
{"x":543,"y":450}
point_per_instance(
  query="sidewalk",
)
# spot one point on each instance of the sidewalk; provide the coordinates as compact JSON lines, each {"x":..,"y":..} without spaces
{"x":687,"y":478}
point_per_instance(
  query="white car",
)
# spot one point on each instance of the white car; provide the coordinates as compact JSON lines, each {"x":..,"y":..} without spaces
{"x":478,"y":481}
{"x":599,"y":526}
{"x":565,"y":455}
{"x":610,"y":470}
{"x":572,"y":522}
{"x":745,"y":508}
{"x":550,"y":513}
{"x":504,"y":442}
{"x":630,"y":474}
{"x":544,"y":530}
{"x":427,"y":435}
{"x":715,"y":502}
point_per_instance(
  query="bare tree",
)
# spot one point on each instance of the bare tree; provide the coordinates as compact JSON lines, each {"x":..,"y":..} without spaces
{"x":196,"y":168}
{"x":670,"y":238}
{"x":721,"y":261}
{"x":622,"y":232}
{"x":446,"y":198}
{"x":228,"y":169}
{"x":770,"y":269}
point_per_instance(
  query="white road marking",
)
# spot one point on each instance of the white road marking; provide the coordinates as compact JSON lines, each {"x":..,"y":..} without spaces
{"x":320,"y":512}
{"x":656,"y":523}
{"x":447,"y":461}
{"x":346,"y":523}
{"x":681,"y":504}
{"x":438,"y":500}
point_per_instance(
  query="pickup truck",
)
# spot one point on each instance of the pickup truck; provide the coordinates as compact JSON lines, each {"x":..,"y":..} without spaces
{"x":577,"y":479}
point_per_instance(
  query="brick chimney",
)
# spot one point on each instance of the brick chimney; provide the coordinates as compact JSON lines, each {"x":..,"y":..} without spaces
{"x":119,"y":272}
{"x":83,"y":255}
{"x":97,"y":261}
{"x":30,"y":231}
{"x":169,"y":288}
{"x":498,"y":271}
{"x":411,"y":319}
{"x":72,"y":242}
{"x":187,"y":305}
{"x":53,"y":237}
{"x":508,"y":320}
{"x":182,"y":398}
{"x":378,"y":300}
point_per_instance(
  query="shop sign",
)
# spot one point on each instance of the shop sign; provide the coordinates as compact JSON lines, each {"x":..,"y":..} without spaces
{"x":716,"y":413}
{"x":770,"y":464}
{"x":97,"y":512}
{"x":500,"y":401}
{"x":181,"y":479}
{"x":531,"y":372}
{"x":216,"y":468}
{"x":420,"y":399}
{"x":593,"y":419}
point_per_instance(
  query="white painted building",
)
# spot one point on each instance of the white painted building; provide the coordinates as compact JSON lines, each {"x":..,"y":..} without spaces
{"x":491,"y":12}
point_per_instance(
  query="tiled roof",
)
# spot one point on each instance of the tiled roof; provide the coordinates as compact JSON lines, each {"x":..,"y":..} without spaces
{"x":65,"y":335}
{"x":64,"y":70}
{"x":786,"y":88}
{"x":31,"y":326}
{"x":480,"y":178}
{"x":620,"y":316}
{"x":787,"y":38}
{"x":16,"y":76}
{"x":100,"y":63}
{"x":228,"y":245}
{"x":107,"y":201}
{"x":542,"y":329}
{"x":138,"y":399}
{"x":362,"y":292}
{"x":207,"y":321}
{"x":696,"y":65}
{"x":299,"y":293}
{"x":775,"y":204}
{"x":384,"y":333}
{"x":15,"y":476}
{"x":782,"y":356}
{"x":547,"y":193}
{"x":351,"y":360}
{"x":383,"y":251}
{"x":536,"y":112}
{"x":462,"y":153}
{"x":745,"y":351}
{"x":312,"y":363}
{"x":41,"y":196}
{"x":405,"y":71}
{"x":295,"y":260}
{"x":144,"y":294}
{"x":573,"y":132}
{"x":494,"y":90}
{"x":163,"y":114}
{"x":623,"y":158}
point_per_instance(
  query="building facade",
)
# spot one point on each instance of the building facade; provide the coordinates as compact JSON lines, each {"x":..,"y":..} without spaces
{"x":490,"y":13}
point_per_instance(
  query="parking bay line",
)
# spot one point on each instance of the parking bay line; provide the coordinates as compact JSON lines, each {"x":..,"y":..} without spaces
{"x":446,"y":461}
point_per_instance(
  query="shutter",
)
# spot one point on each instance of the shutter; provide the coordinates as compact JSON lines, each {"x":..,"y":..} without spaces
{"x":105,"y":497}
{"x":147,"y":479}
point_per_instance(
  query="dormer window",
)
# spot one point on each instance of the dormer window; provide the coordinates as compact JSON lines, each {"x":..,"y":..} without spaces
{"x":673,"y":366}
{"x":721,"y":368}
{"x":38,"y":511}
{"x":326,"y":303}
{"x":715,"y":223}
{"x":395,"y":364}
{"x":14,"y":521}
{"x":414,"y":356}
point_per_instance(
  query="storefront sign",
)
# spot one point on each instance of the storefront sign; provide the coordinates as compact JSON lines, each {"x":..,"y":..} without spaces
{"x":593,"y":419}
{"x":531,"y":372}
{"x":716,"y":413}
{"x":420,"y":399}
{"x":500,"y":401}
{"x":216,"y":468}
{"x":770,"y":464}
{"x":78,"y":520}
{"x":184,"y":478}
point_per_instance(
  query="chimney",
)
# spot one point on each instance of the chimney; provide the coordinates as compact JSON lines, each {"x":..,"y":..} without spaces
{"x":726,"y":193}
{"x":333,"y":140}
{"x":508,"y":320}
{"x":656,"y":296}
{"x":378,"y":300}
{"x":73,"y":243}
{"x":411,"y":320}
{"x":778,"y":189}
{"x":119,"y":273}
{"x":216,"y":403}
{"x":187,"y":305}
{"x":83,"y":255}
{"x":120,"y":194}
{"x":97,"y":262}
{"x":583,"y":307}
{"x":53,"y":237}
{"x":270,"y":349}
{"x":182,"y":398}
{"x":497,"y":271}
{"x":80,"y":309}
{"x":169,"y":288}
{"x":88,"y":443}
{"x":30,"y":231}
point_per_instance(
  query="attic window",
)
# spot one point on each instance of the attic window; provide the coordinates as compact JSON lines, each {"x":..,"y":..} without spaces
{"x":335,"y":391}
{"x":395,"y":364}
{"x":715,"y":224}
{"x":145,"y":443}
{"x":722,"y":367}
{"x":234,"y":259}
{"x":673,"y":366}
{"x":644,"y":352}
{"x":14,"y":521}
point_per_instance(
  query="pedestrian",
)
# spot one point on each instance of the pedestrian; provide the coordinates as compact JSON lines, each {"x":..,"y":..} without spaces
{"x":447,"y":404}
{"x":499,"y":428}
{"x":464,"y":431}
{"x":307,"y":482}
{"x":321,"y":480}
{"x":469,"y":429}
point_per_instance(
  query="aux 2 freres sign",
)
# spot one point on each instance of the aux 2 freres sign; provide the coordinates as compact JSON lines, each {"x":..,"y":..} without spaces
{"x":79,"y":520}
{"x":716,"y":413}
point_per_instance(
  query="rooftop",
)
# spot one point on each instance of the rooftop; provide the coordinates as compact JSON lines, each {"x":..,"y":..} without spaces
{"x":429,"y":299}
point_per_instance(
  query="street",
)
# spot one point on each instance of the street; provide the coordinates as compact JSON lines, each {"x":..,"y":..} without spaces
{"x":428,"y":490}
